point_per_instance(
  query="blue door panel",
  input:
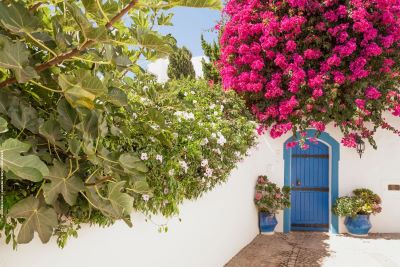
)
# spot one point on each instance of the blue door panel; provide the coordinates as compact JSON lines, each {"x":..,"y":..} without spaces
{"x":310,"y":188}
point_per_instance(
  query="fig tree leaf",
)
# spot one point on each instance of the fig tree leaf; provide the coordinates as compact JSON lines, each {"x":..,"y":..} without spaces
{"x":118,"y":97}
{"x":3,"y":125}
{"x":81,"y":88}
{"x":15,"y":56}
{"x":51,"y":131}
{"x":62,"y":182}
{"x":121,"y":202}
{"x":24,"y":117}
{"x":67,"y":116}
{"x":17,"y":19}
{"x":213,"y":4}
{"x":141,"y":187}
{"x":40,"y":219}
{"x":130,"y":161}
{"x":28,"y":167}
{"x":152,"y":40}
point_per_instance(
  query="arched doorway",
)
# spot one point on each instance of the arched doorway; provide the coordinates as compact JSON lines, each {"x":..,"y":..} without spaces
{"x":313,"y":176}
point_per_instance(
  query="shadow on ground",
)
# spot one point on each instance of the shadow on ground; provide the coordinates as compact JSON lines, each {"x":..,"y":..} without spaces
{"x":308,"y":249}
{"x":293,"y":249}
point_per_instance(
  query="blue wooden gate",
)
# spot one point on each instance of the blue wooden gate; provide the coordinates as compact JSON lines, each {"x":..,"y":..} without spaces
{"x":310,"y":188}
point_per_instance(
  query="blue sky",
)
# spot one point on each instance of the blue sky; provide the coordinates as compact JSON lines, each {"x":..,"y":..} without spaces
{"x":189,"y":24}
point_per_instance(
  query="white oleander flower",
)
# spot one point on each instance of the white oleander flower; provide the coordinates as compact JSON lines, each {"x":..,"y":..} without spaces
{"x":184,"y":165}
{"x":204,"y":162}
{"x":208,"y":172}
{"x":159,"y":158}
{"x":221,"y":139}
{"x":204,"y":141}
{"x":144,"y":156}
{"x":146,"y":197}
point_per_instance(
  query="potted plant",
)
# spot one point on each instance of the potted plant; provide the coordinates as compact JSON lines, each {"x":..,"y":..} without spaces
{"x":357,"y":210}
{"x":269,"y":198}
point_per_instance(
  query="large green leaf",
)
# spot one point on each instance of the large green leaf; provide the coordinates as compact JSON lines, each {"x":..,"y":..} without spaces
{"x":118,"y":97}
{"x":94,"y":33}
{"x":51,"y":131}
{"x":141,"y":187}
{"x":16,"y":18}
{"x":26,"y":167}
{"x":24,"y":117}
{"x":40,"y":219}
{"x":121,"y":202}
{"x":15,"y":56}
{"x":3,"y":125}
{"x":67,"y":116}
{"x":62,"y":182}
{"x":81,"y":88}
{"x":214,"y":4}
{"x":130,"y":161}
{"x":152,"y":40}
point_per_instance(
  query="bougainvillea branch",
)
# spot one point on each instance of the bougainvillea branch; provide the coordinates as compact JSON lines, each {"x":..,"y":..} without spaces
{"x":302,"y":64}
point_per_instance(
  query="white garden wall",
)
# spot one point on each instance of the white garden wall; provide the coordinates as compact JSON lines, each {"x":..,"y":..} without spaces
{"x":213,"y":229}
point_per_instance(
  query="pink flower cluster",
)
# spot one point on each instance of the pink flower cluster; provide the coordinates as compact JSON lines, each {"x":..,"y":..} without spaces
{"x":302,"y":63}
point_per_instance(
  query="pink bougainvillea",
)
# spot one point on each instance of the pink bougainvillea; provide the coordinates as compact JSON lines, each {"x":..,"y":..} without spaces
{"x":302,"y":64}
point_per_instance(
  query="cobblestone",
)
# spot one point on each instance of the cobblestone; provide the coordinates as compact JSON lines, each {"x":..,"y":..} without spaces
{"x":309,"y":249}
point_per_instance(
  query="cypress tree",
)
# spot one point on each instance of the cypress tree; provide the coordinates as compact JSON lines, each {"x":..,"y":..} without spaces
{"x":210,"y":71}
{"x":180,"y":64}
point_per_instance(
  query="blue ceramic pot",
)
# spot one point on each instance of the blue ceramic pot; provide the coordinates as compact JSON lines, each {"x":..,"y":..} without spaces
{"x":358,"y":225}
{"x":268,"y":223}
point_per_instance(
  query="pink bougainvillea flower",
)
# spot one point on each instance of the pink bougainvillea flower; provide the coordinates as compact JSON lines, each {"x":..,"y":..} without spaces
{"x":372,"y":93}
{"x":349,"y":140}
{"x":291,"y":144}
{"x":319,"y":125}
{"x":360,"y":103}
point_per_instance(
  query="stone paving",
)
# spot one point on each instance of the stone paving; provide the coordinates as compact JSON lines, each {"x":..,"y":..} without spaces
{"x":308,"y":249}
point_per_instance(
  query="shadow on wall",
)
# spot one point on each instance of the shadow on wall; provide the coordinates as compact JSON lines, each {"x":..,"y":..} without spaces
{"x":375,"y":236}
{"x":293,"y":249}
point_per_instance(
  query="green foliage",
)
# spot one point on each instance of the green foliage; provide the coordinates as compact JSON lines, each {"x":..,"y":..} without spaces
{"x":189,"y":144}
{"x":363,"y":202}
{"x":70,"y":140}
{"x":269,"y":197}
{"x":180,"y":64}
{"x":212,"y":52}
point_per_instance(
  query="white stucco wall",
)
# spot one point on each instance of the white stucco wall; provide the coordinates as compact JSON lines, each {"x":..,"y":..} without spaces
{"x":375,"y":170}
{"x":213,"y":229}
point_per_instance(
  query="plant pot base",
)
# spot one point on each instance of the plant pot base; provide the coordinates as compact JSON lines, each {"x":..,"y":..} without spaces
{"x":267,"y":233}
{"x":356,"y":235}
{"x":267,"y":223}
{"x":358,"y":225}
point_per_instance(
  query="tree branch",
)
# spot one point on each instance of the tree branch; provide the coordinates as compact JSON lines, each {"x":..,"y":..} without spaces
{"x":105,"y":179}
{"x":76,"y":51}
